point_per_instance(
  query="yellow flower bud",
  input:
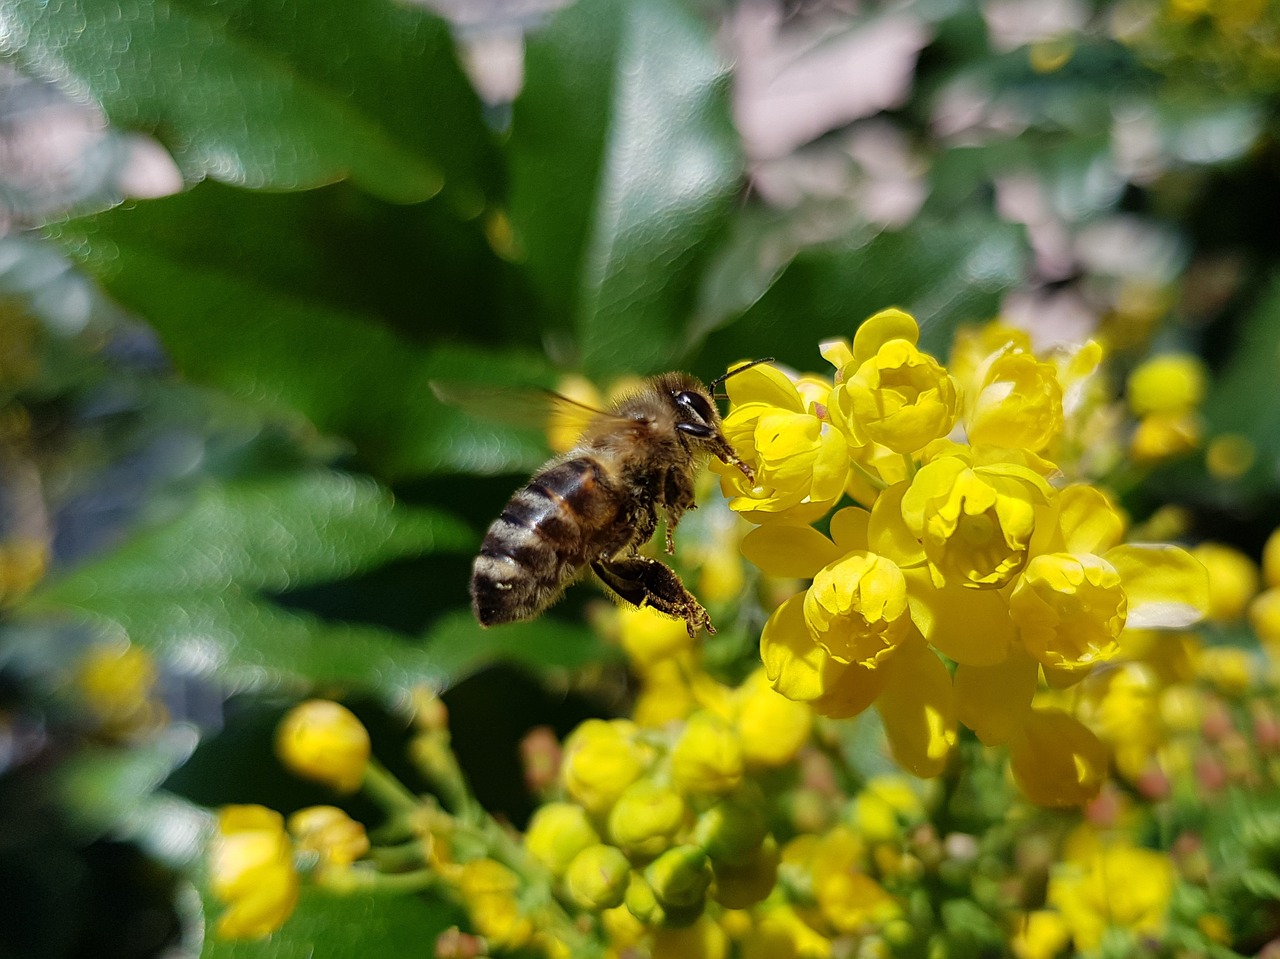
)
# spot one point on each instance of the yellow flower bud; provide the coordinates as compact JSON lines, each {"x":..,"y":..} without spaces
{"x":557,"y":832}
{"x":645,"y":819}
{"x":875,"y":819}
{"x":742,"y":885}
{"x":732,"y":829}
{"x":1264,"y":616}
{"x":1231,"y":670}
{"x":251,"y":870}
{"x":680,"y":877}
{"x":1069,"y":608}
{"x":1040,"y":935}
{"x":323,"y":740}
{"x":641,"y":902}
{"x":1271,"y":559}
{"x":601,"y":759}
{"x":854,"y":902}
{"x":328,"y":831}
{"x":1233,"y":580}
{"x":1171,"y":383}
{"x":707,"y":758}
{"x":771,"y":728}
{"x":597,"y":877}
{"x":116,"y":682}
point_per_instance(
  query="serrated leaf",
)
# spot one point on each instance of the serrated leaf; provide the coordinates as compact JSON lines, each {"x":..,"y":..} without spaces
{"x":624,"y":167}
{"x":352,"y":926}
{"x":280,"y":96}
{"x":187,"y":590}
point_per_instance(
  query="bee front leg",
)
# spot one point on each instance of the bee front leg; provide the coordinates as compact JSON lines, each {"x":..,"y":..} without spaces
{"x":646,"y":582}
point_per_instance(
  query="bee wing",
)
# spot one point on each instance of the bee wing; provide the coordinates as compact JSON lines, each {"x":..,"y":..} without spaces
{"x":530,"y":407}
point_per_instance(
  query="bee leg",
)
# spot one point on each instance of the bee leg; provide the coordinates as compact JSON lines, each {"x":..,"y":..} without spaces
{"x":646,"y":582}
{"x":677,"y":499}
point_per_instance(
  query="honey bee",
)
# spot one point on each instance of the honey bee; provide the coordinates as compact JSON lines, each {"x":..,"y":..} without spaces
{"x":596,"y":505}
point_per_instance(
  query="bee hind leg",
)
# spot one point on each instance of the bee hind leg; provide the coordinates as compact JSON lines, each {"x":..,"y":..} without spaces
{"x":646,"y":582}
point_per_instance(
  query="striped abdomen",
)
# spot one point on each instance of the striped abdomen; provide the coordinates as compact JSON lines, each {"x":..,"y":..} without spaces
{"x":547,"y":533}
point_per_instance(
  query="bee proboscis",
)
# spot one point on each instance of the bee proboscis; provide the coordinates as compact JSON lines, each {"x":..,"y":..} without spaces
{"x":594,"y":507}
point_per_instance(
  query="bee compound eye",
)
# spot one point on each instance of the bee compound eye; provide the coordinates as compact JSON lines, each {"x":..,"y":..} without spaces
{"x":695,"y":403}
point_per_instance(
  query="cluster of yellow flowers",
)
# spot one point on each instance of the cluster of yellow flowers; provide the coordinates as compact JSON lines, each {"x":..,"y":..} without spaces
{"x":967,"y":548}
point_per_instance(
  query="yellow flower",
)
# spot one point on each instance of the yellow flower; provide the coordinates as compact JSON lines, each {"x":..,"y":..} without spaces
{"x":557,"y":832}
{"x":1019,"y":405}
{"x":1040,"y":935}
{"x":854,"y":902}
{"x":1271,"y":559}
{"x":783,"y":934}
{"x":703,"y":939}
{"x":665,"y":694}
{"x":1056,"y":760}
{"x":856,"y":608}
{"x":251,"y":870}
{"x":601,"y":759}
{"x":1233,"y":580}
{"x":707,"y":759}
{"x":771,"y":728}
{"x":1070,"y":609}
{"x":324,"y":741}
{"x":1264,"y":616}
{"x":329,"y":832}
{"x":975,"y":348}
{"x":116,"y":683}
{"x":1115,"y":886}
{"x":892,"y":393}
{"x":597,"y":877}
{"x":800,"y":461}
{"x":1162,"y":436}
{"x":489,"y":890}
{"x":645,"y":819}
{"x":1171,"y":383}
{"x":648,"y":636}
{"x":975,"y":521}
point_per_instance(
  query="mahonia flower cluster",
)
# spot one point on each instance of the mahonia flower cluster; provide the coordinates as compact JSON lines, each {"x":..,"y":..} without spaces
{"x":967,"y":546}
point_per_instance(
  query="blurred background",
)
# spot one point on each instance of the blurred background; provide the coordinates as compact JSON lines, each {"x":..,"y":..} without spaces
{"x":240,"y":239}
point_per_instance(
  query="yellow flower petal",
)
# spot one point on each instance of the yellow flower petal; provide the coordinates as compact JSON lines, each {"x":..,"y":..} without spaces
{"x":1089,"y":521}
{"x":1166,"y":586}
{"x":1057,"y":761}
{"x":969,"y":626}
{"x":887,"y":531}
{"x":836,"y":352}
{"x":793,"y":551}
{"x":994,"y":701}
{"x":849,"y":529}
{"x":877,"y":330}
{"x":918,"y":709}
{"x":764,"y":384}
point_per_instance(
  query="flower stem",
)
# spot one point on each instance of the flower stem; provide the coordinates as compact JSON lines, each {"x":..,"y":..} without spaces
{"x":388,"y":791}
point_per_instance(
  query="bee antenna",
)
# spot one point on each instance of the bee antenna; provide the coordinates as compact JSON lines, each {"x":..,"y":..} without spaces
{"x":738,"y":369}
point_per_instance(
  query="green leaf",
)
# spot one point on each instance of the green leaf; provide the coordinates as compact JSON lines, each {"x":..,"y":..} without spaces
{"x":459,"y":646}
{"x":187,"y":589}
{"x":258,"y":323}
{"x":943,"y":273}
{"x":1244,"y":400}
{"x":113,"y":788}
{"x":624,"y":168}
{"x":279,"y":96}
{"x":355,"y":926}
